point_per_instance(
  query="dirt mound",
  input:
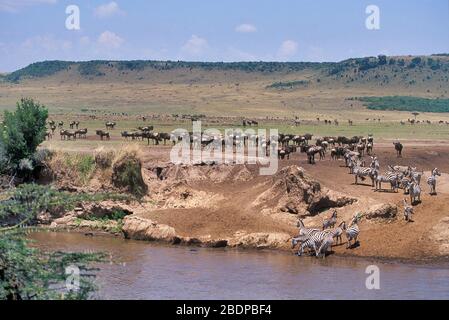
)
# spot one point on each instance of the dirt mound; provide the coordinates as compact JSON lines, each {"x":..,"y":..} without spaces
{"x":210,"y":173}
{"x":293,"y":191}
{"x":440,"y":235}
{"x":383,"y":211}
{"x":127,"y":175}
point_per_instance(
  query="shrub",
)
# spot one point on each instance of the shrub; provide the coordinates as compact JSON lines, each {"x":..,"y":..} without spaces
{"x":127,"y":171}
{"x":23,"y":130}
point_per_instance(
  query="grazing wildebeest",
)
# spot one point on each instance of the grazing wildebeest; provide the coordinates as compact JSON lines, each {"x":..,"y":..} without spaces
{"x":103,"y":134}
{"x":110,"y":125}
{"x":398,"y":147}
{"x":81,"y":133}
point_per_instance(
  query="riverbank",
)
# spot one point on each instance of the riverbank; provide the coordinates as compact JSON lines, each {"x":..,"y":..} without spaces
{"x":148,"y":270}
{"x":233,"y":206}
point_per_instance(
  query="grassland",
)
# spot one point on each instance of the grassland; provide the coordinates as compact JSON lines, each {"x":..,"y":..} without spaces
{"x":124,"y":91}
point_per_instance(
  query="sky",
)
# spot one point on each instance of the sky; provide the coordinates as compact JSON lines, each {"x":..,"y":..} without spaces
{"x":219,"y":30}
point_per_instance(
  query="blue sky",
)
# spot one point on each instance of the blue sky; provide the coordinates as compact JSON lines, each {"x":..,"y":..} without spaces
{"x":225,"y":30}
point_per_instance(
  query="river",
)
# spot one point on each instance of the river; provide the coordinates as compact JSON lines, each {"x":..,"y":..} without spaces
{"x":143,"y":270}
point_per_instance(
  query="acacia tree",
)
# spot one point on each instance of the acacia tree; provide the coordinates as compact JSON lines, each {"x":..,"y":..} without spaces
{"x":23,"y":130}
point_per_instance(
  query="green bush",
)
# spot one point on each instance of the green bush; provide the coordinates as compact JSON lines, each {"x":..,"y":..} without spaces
{"x":404,"y":103}
{"x":23,"y":131}
{"x":127,"y":174}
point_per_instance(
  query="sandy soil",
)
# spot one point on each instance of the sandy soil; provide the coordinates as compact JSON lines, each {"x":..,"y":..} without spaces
{"x":232,"y":210}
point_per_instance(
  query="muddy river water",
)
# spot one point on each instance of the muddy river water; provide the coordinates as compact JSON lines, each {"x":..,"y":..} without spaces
{"x":142,"y":270}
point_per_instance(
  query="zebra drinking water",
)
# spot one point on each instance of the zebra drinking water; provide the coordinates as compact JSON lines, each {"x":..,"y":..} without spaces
{"x":352,"y":232}
{"x":326,"y":244}
{"x":432,"y":181}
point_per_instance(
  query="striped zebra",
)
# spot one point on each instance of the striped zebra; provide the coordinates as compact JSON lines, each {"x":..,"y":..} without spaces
{"x":389,"y":177}
{"x":337,"y":232}
{"x":374,"y":163}
{"x":405,"y":184}
{"x":330,"y":223}
{"x":415,"y":175}
{"x":352,"y":233}
{"x":414,"y":192}
{"x":306,"y":243}
{"x":362,"y":173}
{"x":432,"y":181}
{"x":303,"y":231}
{"x":326,"y":244}
{"x":408,"y":211}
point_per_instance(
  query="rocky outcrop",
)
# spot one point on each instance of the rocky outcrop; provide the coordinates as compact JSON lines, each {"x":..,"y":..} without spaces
{"x":138,"y":228}
{"x":260,"y":240}
{"x":293,"y":191}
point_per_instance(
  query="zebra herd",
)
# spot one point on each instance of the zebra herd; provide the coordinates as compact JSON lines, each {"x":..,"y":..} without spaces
{"x":319,"y":242}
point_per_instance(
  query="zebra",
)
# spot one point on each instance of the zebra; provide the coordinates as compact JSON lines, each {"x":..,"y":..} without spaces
{"x":391,"y":177}
{"x":415,"y":175}
{"x":398,"y":147}
{"x":375,"y":163}
{"x":408,"y":211}
{"x":330,"y":223}
{"x":303,"y":231}
{"x":337,"y":232}
{"x":432,"y":181}
{"x":315,"y":240}
{"x":306,"y":242}
{"x":352,"y":233}
{"x":325,"y":245}
{"x":405,"y":184}
{"x":414,"y":192}
{"x":362,"y":173}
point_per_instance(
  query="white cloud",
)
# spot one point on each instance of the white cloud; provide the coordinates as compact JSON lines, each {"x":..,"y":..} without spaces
{"x":287,"y":49}
{"x":245,"y":28}
{"x":109,"y":39}
{"x":16,"y":5}
{"x":108,"y":10}
{"x":195,"y":46}
{"x":47,"y":43}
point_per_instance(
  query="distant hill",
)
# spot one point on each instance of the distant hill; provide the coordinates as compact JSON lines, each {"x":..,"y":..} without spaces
{"x":101,"y":68}
{"x":425,"y":72}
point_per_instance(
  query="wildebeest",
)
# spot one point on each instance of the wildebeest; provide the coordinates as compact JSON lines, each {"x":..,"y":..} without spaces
{"x":398,"y":147}
{"x":103,"y":134}
{"x":110,"y":125}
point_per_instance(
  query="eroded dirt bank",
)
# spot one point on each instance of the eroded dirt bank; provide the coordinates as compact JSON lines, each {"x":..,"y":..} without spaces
{"x":234,"y":206}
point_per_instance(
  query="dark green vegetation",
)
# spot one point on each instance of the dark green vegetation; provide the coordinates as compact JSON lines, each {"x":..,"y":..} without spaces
{"x":127,"y":174}
{"x":288,"y":84}
{"x":28,"y":273}
{"x":22,"y":132}
{"x":38,"y":69}
{"x":22,"y":204}
{"x":400,"y":103}
{"x":93,"y":68}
